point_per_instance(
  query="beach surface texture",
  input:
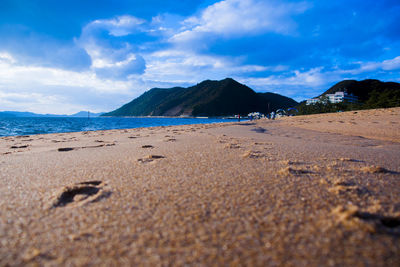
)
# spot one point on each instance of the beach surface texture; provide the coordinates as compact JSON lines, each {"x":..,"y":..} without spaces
{"x":320,"y":190}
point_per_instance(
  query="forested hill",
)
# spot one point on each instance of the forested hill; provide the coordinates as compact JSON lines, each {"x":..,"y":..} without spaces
{"x":372,"y":93}
{"x":208,"y":98}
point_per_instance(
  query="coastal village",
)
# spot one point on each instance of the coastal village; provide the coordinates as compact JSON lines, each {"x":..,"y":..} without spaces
{"x":337,"y":97}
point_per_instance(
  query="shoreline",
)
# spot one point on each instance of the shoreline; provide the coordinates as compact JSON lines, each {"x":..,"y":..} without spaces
{"x":127,"y":127}
{"x":294,"y":191}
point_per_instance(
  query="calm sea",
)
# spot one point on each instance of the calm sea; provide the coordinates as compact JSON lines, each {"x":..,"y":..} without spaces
{"x":44,"y":125}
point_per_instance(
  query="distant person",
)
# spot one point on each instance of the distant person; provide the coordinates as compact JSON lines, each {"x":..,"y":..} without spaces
{"x":272,"y":115}
{"x":239,"y":117}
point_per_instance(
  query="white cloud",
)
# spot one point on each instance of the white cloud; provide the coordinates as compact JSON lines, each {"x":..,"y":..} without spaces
{"x":241,"y":18}
{"x":130,"y":65}
{"x":53,"y":90}
{"x":391,"y":64}
{"x":33,"y":75}
{"x":111,"y":57}
{"x":165,"y":25}
{"x":177,"y":66}
{"x":311,"y":78}
{"x":24,"y":101}
{"x":40,"y":50}
{"x":119,"y":26}
{"x":386,"y":65}
{"x":6,"y":58}
{"x":298,"y":84}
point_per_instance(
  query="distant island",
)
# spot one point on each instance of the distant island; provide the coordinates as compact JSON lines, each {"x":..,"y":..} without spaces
{"x":14,"y":114}
{"x":208,"y":98}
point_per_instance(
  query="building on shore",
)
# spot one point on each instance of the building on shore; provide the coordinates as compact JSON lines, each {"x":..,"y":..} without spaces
{"x":337,"y":97}
{"x":313,"y":101}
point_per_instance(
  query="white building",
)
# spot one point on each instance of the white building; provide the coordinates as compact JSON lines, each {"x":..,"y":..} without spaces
{"x":312,"y":101}
{"x":337,"y":97}
{"x":342,"y":96}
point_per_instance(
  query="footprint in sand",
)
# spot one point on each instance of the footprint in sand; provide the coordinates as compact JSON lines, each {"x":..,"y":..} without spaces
{"x":293,"y":171}
{"x":341,"y":187}
{"x":17,"y":146}
{"x":150,"y":158}
{"x":222,"y":140}
{"x":22,"y":136}
{"x":253,"y":154}
{"x":349,"y":160}
{"x":65,"y":149}
{"x":259,"y":130}
{"x":291,"y":162}
{"x":96,"y":146}
{"x":80,"y":194}
{"x":374,"y":169}
{"x":262,"y":143}
{"x":110,"y":144}
{"x":353,"y":217}
{"x":232,"y":146}
{"x":170,"y":140}
{"x":58,"y":141}
{"x":147,"y":146}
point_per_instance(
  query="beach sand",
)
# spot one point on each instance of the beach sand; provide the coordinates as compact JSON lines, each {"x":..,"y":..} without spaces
{"x":321,"y":190}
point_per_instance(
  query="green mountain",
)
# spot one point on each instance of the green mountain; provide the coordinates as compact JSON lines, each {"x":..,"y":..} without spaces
{"x":208,"y":98}
{"x":371,"y":94}
{"x":369,"y":91}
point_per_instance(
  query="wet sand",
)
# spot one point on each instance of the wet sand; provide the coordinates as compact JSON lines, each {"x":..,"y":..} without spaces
{"x":321,"y":190}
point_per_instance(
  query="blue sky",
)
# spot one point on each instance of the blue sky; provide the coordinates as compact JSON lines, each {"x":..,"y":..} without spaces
{"x":65,"y":56}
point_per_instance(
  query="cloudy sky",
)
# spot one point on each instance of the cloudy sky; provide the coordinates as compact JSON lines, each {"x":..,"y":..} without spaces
{"x":70,"y":55}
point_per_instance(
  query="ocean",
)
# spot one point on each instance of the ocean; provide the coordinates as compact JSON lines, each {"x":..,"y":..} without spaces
{"x":44,"y":125}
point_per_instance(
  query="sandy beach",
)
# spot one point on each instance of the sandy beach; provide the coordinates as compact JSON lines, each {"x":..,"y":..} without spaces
{"x":320,"y":190}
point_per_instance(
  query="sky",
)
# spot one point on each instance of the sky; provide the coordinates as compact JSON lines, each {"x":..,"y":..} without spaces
{"x":65,"y":56}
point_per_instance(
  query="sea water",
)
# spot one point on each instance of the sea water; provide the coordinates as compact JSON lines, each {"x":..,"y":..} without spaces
{"x":44,"y":125}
